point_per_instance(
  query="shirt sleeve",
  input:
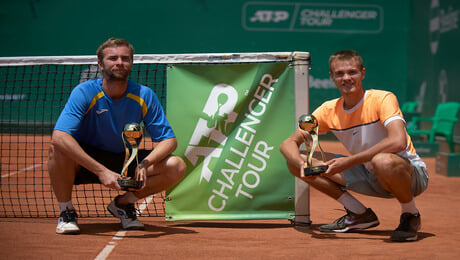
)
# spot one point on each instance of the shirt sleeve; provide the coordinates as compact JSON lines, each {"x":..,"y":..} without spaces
{"x":74,"y":110}
{"x":389,"y":109}
{"x":321,"y":114}
{"x":155,"y":120}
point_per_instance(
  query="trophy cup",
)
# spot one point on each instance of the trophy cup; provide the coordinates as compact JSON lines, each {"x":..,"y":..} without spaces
{"x":131,"y":135}
{"x":309,"y":124}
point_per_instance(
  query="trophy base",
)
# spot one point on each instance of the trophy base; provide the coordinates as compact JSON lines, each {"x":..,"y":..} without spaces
{"x":127,"y":184}
{"x":315,"y":170}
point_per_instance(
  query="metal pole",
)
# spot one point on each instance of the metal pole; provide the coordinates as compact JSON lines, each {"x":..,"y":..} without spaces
{"x":302,"y":106}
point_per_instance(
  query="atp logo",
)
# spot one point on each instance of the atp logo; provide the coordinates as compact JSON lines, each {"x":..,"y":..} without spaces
{"x":267,"y":16}
{"x":212,"y":129}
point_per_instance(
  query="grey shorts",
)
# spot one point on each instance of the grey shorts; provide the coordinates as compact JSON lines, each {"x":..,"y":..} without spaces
{"x":363,"y":181}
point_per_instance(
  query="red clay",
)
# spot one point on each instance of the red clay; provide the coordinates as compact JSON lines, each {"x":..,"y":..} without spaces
{"x":256,"y":239}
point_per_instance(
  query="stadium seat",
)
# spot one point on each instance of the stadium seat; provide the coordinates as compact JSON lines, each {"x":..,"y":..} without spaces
{"x":443,"y":123}
{"x":409,"y":110}
{"x":409,"y":107}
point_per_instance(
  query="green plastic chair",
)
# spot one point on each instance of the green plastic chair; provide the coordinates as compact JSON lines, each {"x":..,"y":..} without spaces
{"x":409,"y":110}
{"x":409,"y":107}
{"x":443,"y":123}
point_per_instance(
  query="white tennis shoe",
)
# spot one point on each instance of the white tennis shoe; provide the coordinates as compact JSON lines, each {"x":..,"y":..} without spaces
{"x":126,"y":214}
{"x":67,"y":223}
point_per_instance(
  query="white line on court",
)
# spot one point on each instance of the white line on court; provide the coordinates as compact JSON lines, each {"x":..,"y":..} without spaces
{"x":120,"y":234}
{"x":23,"y":170}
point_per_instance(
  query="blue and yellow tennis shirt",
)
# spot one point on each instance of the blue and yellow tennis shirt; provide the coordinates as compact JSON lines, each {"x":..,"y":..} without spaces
{"x":93,"y":118}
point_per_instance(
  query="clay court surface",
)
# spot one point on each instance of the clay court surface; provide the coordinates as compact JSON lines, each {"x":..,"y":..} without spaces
{"x":35,"y":238}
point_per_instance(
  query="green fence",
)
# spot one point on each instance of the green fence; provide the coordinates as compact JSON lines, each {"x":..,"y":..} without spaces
{"x":409,"y":46}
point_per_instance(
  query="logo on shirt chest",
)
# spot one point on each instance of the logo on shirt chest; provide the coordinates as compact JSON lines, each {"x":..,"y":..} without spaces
{"x":101,"y":111}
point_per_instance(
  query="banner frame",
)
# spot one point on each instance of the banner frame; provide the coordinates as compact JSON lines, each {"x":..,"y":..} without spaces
{"x":302,"y":106}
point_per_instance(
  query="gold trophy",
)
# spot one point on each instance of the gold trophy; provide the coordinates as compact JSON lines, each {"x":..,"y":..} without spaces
{"x":309,"y":123}
{"x":131,"y":135}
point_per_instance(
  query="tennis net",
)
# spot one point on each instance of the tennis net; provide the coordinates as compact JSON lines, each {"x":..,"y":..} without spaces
{"x":32,"y":95}
{"x":33,"y":92}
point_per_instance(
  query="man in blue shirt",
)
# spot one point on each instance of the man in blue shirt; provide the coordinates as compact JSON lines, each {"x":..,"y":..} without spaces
{"x":87,"y":146}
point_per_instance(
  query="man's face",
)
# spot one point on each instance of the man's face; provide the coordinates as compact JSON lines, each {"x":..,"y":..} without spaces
{"x":117,"y":63}
{"x":347,"y":76}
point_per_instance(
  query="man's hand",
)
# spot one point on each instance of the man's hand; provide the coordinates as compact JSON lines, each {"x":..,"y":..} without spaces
{"x":142,"y":173}
{"x":337,"y":165}
{"x":302,"y":175}
{"x":110,"y":179}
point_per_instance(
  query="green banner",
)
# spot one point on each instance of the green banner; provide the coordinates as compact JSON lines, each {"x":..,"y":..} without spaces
{"x":230,"y":121}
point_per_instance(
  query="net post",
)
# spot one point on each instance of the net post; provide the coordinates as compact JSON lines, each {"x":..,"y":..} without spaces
{"x":301,"y":62}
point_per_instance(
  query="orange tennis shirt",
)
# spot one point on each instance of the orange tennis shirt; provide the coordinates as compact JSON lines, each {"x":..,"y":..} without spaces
{"x":363,"y":126}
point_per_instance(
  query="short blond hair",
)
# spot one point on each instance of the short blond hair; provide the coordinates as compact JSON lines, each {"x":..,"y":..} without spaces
{"x":113,"y":42}
{"x":346,"y":55}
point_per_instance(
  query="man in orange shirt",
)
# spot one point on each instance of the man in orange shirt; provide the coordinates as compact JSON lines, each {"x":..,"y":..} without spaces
{"x":383,"y":161}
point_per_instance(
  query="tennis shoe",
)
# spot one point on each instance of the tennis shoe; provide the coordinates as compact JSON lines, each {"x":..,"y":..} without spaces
{"x":408,"y":226}
{"x":67,"y":222}
{"x":352,"y":221}
{"x":127,"y":215}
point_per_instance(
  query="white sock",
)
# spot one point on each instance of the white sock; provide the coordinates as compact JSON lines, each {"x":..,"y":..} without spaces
{"x":351,"y":203}
{"x":409,"y":207}
{"x":130,"y":197}
{"x":65,"y":205}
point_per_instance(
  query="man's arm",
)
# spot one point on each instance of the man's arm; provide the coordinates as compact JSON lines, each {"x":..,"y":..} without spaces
{"x":160,"y":152}
{"x":290,"y":149}
{"x":395,"y":141}
{"x":67,"y":145}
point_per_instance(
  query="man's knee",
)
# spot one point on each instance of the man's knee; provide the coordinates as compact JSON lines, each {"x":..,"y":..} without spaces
{"x":381,"y":161}
{"x":178,"y":168}
{"x":51,"y":153}
{"x":55,"y":157}
{"x":388,"y":165}
{"x":58,"y":161}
